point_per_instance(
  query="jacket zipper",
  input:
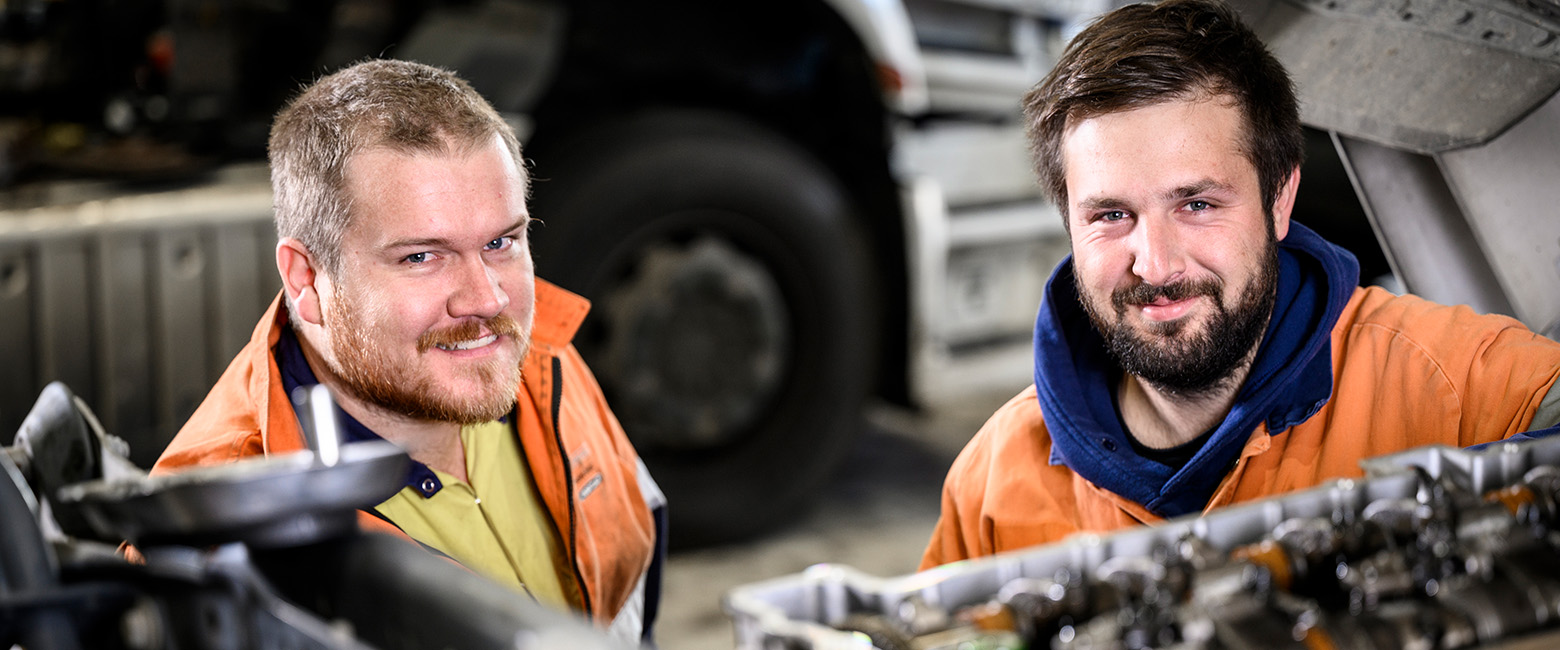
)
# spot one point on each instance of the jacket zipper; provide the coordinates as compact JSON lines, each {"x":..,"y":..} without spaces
{"x":568,"y":478}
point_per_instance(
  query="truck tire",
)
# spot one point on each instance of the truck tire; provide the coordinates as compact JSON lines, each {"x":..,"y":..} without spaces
{"x":731,"y":308}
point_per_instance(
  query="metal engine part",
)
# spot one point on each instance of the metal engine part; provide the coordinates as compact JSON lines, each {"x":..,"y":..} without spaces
{"x":258,"y":554}
{"x":1436,"y":549}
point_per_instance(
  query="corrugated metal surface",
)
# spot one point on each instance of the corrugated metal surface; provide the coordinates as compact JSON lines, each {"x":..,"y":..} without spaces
{"x":17,"y":368}
{"x":136,"y":303}
{"x":125,"y":373}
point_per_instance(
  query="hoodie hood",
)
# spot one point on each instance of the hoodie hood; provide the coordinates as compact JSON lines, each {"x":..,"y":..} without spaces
{"x":1291,"y":378}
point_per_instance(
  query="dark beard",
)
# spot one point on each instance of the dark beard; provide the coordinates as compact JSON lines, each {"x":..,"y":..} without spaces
{"x":1193,"y":364}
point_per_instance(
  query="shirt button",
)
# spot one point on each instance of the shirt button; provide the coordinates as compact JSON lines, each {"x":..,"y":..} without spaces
{"x":1110,"y":445}
{"x":428,"y":486}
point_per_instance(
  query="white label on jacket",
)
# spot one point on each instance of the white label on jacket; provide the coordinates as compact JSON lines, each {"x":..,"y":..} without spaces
{"x":590,"y":486}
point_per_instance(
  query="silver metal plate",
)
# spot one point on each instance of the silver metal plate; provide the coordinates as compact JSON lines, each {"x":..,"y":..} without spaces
{"x":279,"y":500}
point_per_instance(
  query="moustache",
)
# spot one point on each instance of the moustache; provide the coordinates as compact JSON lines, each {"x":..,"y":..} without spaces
{"x":501,"y":325}
{"x":1143,"y":293}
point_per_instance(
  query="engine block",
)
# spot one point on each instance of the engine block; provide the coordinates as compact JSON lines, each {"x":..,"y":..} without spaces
{"x":1436,"y":548}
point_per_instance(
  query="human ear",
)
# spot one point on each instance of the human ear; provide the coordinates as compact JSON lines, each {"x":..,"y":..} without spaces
{"x":1284,"y":204}
{"x":299,"y":277}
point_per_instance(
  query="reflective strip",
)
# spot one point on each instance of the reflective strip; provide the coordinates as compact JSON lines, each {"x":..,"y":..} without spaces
{"x":1547,"y":415}
{"x":654,"y":498}
{"x":629,"y":626}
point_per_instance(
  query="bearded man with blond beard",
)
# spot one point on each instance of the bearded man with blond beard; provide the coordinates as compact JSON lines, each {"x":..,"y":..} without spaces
{"x":409,"y":292}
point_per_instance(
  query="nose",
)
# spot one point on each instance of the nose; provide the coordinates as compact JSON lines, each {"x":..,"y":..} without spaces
{"x":478,"y":291}
{"x":1158,"y":255}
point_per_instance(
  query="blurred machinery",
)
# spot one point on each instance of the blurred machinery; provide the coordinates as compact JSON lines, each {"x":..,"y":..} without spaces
{"x":1436,"y":549}
{"x":258,"y":554}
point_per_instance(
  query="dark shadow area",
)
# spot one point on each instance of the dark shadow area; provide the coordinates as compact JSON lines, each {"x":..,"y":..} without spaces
{"x":1327,"y":204}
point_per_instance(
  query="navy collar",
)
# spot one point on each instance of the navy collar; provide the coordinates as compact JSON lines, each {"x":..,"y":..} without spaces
{"x":1291,"y":378}
{"x":296,"y":372}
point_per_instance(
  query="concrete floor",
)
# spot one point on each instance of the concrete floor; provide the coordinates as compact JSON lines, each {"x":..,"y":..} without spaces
{"x":875,"y":516}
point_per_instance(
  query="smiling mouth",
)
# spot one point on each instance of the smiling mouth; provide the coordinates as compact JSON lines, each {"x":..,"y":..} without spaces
{"x":471,"y":334}
{"x":468,"y":345}
{"x":1167,"y":315}
{"x":1165,"y":302}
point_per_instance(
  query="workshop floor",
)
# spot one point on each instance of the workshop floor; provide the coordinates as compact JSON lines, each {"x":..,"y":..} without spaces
{"x":875,"y":516}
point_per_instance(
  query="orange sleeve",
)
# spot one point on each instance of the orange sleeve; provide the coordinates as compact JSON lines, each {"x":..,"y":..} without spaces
{"x":193,"y":451}
{"x":1507,"y":379}
{"x":1497,"y":369}
{"x":957,"y":534}
{"x":1423,"y":373}
{"x":947,"y":543}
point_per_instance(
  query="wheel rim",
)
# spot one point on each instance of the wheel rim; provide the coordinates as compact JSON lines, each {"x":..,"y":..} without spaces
{"x":696,"y":343}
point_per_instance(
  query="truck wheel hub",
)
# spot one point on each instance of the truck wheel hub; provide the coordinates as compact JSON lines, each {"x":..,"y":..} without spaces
{"x":696,"y":344}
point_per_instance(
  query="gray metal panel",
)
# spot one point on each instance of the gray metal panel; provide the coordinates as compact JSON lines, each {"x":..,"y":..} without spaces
{"x":1420,"y":227}
{"x":64,"y":300}
{"x":124,"y":336}
{"x":179,"y":325}
{"x":154,"y":296}
{"x":236,"y":294}
{"x":17,"y":367}
{"x":270,"y":278}
{"x":1510,"y":190}
{"x":1426,"y":75}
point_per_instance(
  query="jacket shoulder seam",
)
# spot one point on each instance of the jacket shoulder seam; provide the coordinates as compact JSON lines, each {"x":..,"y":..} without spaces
{"x":1396,"y":334}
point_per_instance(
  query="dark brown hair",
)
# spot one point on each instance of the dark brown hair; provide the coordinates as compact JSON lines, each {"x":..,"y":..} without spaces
{"x":399,"y":105}
{"x":1144,"y":54}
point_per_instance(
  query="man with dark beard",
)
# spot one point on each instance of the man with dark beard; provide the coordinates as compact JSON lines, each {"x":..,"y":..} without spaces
{"x":1198,"y":348}
{"x":409,"y":292}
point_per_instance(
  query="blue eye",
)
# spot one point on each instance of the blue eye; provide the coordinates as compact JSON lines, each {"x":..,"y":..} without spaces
{"x":500,"y":243}
{"x":1113,"y":215}
{"x":1198,"y":206}
{"x":416,"y":258}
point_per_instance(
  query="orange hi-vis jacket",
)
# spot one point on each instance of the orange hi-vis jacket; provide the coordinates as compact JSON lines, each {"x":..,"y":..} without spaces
{"x":1406,"y":373}
{"x":586,"y":472}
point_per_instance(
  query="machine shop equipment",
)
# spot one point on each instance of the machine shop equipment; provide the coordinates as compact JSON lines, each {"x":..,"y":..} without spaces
{"x":261,"y":553}
{"x":1436,"y":548}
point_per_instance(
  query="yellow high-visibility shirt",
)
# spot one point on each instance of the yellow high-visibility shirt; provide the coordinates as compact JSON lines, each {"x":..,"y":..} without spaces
{"x":495,"y":525}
